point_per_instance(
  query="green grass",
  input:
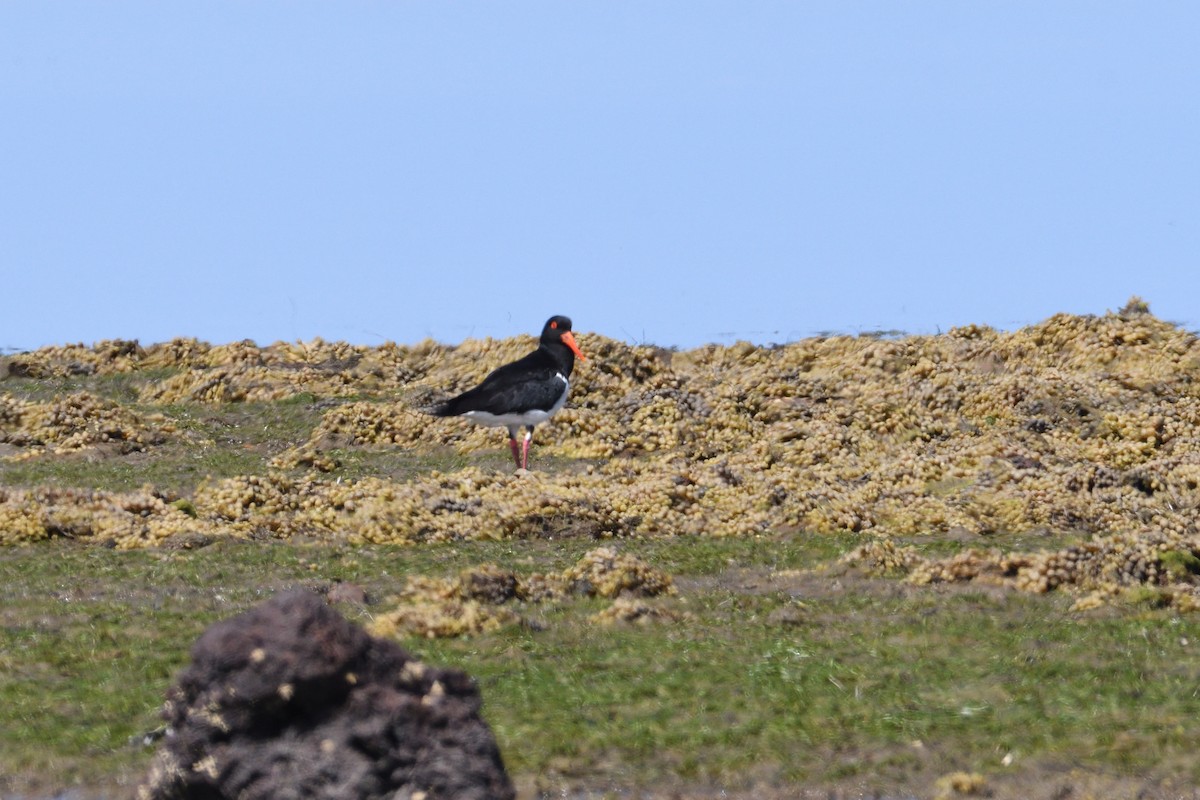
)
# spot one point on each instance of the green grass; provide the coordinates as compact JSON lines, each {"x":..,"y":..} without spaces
{"x":209,"y":441}
{"x":121,"y":387}
{"x":175,"y":469}
{"x":861,"y":680}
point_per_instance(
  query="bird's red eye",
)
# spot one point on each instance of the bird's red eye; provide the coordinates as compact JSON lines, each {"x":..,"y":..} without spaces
{"x":553,"y":324}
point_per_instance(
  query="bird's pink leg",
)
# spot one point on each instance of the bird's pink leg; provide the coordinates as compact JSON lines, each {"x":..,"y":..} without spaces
{"x":516,"y":450}
{"x":525,"y":452}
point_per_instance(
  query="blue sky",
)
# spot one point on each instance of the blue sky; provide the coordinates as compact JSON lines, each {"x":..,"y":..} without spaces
{"x":669,"y":172}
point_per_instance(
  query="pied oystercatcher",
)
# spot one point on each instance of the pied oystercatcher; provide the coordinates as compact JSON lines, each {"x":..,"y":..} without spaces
{"x":525,"y":392}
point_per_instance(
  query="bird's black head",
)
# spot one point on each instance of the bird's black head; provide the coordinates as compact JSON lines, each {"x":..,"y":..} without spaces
{"x":558,"y":331}
{"x":555,"y":326}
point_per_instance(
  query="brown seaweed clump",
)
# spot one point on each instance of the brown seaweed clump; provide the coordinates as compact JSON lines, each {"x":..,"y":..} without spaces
{"x":639,"y":612}
{"x":127,"y":520}
{"x":1105,"y":567}
{"x":479,"y":600}
{"x":442,"y":619}
{"x":74,"y":422}
{"x":1084,"y":427}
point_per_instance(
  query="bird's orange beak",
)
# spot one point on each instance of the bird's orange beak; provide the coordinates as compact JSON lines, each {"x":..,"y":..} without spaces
{"x":569,"y":341}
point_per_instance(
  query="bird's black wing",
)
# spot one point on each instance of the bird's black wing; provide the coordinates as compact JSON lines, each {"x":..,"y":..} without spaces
{"x":517,"y":398}
{"x":523,"y":385}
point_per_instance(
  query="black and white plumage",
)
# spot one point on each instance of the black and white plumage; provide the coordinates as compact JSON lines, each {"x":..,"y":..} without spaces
{"x":525,"y":392}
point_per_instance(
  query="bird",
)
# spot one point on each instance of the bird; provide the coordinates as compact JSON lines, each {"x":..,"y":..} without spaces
{"x":525,"y":392}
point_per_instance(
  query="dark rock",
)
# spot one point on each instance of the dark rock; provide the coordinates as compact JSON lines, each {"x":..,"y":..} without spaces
{"x":290,"y":700}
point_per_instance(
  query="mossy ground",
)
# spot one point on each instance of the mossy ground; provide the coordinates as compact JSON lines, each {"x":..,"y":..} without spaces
{"x":782,"y":676}
{"x":784,"y":671}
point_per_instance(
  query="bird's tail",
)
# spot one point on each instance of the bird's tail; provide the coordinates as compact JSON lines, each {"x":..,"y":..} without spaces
{"x":425,"y":402}
{"x":444,"y":408}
